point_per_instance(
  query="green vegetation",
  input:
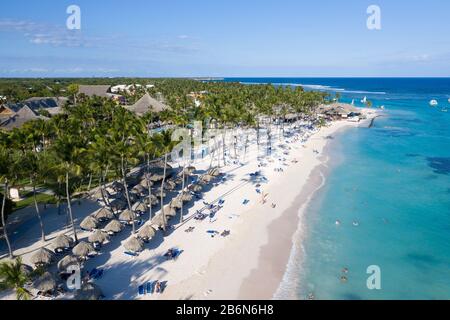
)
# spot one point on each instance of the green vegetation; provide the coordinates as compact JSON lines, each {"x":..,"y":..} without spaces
{"x":96,"y":138}
{"x":29,"y":200}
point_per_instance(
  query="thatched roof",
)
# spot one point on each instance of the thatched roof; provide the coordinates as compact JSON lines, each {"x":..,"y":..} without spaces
{"x":127,"y":215}
{"x":95,"y":90}
{"x":140,"y":206}
{"x":170,"y":211}
{"x":45,"y":283}
{"x":62,"y":241}
{"x":206,"y":178}
{"x":144,"y":181}
{"x":26,"y":269}
{"x":66,"y":262}
{"x":214,"y":172}
{"x":146,"y":232}
{"x":139,"y":189}
{"x":98,"y":236}
{"x":118,"y":204}
{"x":146,"y":104}
{"x":185,"y":196}
{"x":89,"y":291}
{"x":158,"y":221}
{"x":89,"y":223}
{"x":153,"y":199}
{"x":97,"y":194}
{"x":114,"y":226}
{"x":156,"y":177}
{"x":83,"y":249}
{"x":176,"y":203}
{"x":42,"y":257}
{"x":170,"y":185}
{"x":103,"y":214}
{"x":195,"y":187}
{"x":134,"y":245}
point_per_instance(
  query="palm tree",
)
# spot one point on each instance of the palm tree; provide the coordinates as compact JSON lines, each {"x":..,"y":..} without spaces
{"x":165,"y":144}
{"x":31,"y":168}
{"x":12,"y":276}
{"x":69,"y":151}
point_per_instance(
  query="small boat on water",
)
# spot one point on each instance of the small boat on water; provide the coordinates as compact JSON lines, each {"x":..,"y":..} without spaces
{"x":382,"y":107}
{"x":364,"y":100}
{"x":444,"y":110}
{"x":353,"y":102}
{"x":433,"y":103}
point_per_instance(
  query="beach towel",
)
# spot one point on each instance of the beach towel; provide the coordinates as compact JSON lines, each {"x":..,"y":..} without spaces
{"x":132,"y":254}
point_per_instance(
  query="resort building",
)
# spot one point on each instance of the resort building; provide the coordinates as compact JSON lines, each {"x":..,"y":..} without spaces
{"x":146,"y":104}
{"x":19,"y":118}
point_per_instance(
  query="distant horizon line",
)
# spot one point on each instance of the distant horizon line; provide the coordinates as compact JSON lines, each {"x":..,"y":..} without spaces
{"x":232,"y":77}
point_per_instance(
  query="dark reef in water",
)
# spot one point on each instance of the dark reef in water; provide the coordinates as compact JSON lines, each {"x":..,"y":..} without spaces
{"x":440,"y":165}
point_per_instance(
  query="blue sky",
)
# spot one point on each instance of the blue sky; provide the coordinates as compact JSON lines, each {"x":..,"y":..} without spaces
{"x":224,"y":38}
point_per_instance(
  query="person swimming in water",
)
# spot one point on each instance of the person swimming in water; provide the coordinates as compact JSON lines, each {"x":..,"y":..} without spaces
{"x":338,"y":223}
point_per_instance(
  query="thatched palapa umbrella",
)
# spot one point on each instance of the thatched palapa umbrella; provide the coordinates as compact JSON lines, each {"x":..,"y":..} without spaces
{"x":170,"y":185}
{"x":62,"y":242}
{"x":152,"y":199}
{"x":89,"y":291}
{"x":134,"y":245}
{"x":140,"y":206}
{"x":66,"y":262}
{"x":98,"y":237}
{"x":158,"y":221}
{"x":114,"y":227}
{"x":26,"y":269}
{"x":117,"y":186}
{"x":42,"y":257}
{"x":146,"y":232}
{"x":138,"y":189}
{"x":118,"y":204}
{"x":83,"y":249}
{"x":185,"y":197}
{"x":45,"y":283}
{"x":176,"y":203}
{"x":205,"y":179}
{"x":195,"y":188}
{"x":145,"y":181}
{"x":103,"y":214}
{"x":127,"y":215}
{"x":97,"y":195}
{"x":89,"y":223}
{"x":214,"y":172}
{"x":169,"y":211}
{"x":156,"y":177}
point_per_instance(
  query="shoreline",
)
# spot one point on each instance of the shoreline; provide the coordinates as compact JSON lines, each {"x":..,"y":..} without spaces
{"x":216,"y":267}
{"x":282,"y":256}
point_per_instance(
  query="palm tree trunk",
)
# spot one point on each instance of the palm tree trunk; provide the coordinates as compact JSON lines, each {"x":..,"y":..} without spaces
{"x":5,"y":232}
{"x":182,"y":194}
{"x":41,"y":224}
{"x":69,"y":207}
{"x":90,"y":182}
{"x":162,"y":193}
{"x":127,"y":195}
{"x":149,"y":187}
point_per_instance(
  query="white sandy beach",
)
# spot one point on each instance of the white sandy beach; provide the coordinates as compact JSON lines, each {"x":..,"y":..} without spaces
{"x":248,"y":264}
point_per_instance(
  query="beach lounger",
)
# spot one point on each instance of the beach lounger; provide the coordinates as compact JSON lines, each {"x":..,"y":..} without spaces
{"x":258,"y":191}
{"x":132,"y":254}
{"x":245,"y":202}
{"x":149,"y":287}
{"x":221,"y":202}
{"x":141,"y":290}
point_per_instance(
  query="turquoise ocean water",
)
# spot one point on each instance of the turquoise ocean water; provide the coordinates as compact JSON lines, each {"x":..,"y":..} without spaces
{"x":393,"y":180}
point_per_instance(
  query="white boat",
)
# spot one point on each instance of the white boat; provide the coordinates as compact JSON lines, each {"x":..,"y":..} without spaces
{"x":444,"y":110}
{"x":364,"y":100}
{"x":353,"y":102}
{"x":433,"y":103}
{"x":382,"y":107}
{"x":448,"y":100}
